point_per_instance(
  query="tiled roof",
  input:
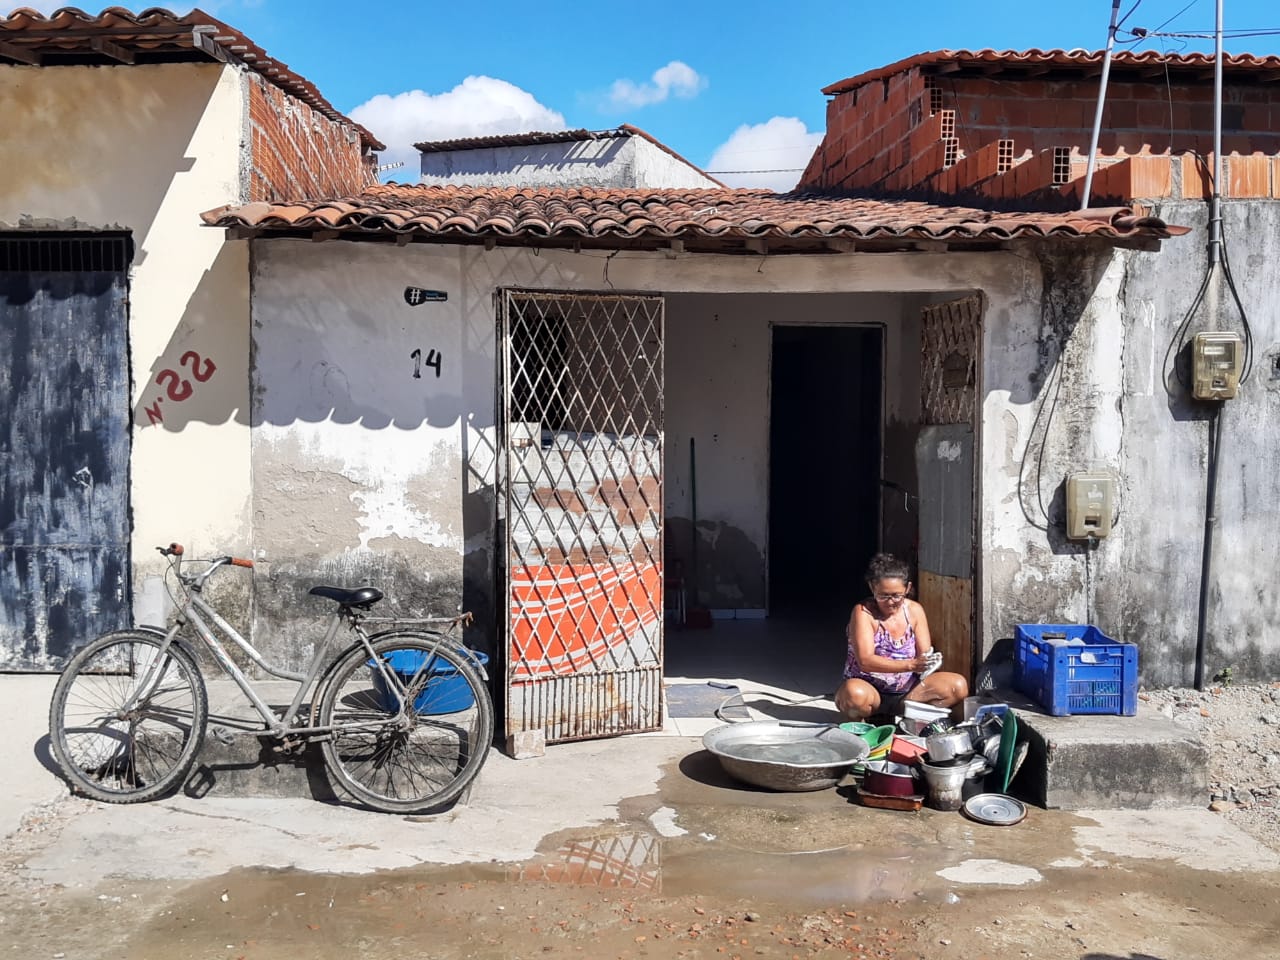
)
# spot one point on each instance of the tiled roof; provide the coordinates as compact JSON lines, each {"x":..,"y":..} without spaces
{"x":1010,"y":62}
{"x":721,"y":220}
{"x":535,"y":137}
{"x":70,"y":36}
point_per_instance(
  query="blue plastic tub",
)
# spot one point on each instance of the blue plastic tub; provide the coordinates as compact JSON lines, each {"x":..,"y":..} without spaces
{"x":446,"y":690}
{"x":1070,"y":668}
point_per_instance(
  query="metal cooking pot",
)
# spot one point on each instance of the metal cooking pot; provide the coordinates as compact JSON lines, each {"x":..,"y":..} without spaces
{"x":889,"y":779}
{"x":951,"y":745}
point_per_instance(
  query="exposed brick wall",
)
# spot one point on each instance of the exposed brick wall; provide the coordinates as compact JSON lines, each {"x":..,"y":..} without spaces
{"x":1005,"y":139}
{"x":296,"y":153}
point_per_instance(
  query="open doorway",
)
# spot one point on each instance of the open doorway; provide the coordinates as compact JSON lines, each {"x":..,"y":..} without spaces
{"x":824,"y":466}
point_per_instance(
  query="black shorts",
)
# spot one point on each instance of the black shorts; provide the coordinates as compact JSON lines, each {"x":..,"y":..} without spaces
{"x":891,"y":703}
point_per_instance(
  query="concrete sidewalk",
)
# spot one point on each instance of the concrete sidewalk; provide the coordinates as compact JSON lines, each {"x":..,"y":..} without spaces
{"x":24,"y":747}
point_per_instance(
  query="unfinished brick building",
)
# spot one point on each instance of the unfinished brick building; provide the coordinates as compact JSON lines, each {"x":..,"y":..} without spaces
{"x":997,"y":127}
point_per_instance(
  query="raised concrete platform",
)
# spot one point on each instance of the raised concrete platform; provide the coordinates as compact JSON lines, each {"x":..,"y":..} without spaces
{"x":249,"y":765}
{"x":1091,"y":762}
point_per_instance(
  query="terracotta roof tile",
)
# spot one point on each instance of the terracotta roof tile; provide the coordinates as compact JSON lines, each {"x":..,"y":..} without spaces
{"x":1015,"y":61}
{"x":72,"y":36}
{"x":653,"y":218}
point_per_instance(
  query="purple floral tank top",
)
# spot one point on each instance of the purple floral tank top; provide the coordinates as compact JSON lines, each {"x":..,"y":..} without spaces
{"x":890,"y":649}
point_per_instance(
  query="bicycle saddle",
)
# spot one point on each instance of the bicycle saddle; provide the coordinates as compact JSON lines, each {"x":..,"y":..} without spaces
{"x":363,"y":597}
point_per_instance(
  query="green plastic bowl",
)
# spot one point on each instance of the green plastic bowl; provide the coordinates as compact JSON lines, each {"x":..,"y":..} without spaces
{"x":880,"y":739}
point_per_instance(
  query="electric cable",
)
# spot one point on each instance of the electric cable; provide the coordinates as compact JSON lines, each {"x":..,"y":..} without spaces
{"x":1022,"y":466}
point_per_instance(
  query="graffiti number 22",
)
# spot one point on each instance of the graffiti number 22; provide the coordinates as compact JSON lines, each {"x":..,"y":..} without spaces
{"x":176,"y":387}
{"x":433,"y":360}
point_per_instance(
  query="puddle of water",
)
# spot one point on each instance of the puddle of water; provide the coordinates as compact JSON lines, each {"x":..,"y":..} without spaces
{"x":678,"y":867}
{"x":994,"y":872}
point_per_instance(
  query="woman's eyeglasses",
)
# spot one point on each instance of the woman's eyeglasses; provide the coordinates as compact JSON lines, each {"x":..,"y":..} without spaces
{"x":886,"y":597}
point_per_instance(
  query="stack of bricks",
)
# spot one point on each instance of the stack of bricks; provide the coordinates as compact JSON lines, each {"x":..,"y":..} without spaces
{"x":1013,"y":139}
{"x":298,"y":153}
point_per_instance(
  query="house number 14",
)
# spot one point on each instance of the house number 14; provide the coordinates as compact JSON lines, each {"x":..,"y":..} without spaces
{"x":433,"y":360}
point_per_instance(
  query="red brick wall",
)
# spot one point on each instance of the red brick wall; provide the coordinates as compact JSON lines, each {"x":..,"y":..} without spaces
{"x":1008,"y":138}
{"x":297,"y":153}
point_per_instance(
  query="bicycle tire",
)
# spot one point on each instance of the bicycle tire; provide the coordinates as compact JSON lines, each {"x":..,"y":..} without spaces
{"x":116,"y":757}
{"x":423,"y":762}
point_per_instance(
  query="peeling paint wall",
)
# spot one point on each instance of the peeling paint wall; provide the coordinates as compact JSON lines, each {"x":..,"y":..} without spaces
{"x":1091,"y":366}
{"x":170,"y":149}
{"x":364,"y":472}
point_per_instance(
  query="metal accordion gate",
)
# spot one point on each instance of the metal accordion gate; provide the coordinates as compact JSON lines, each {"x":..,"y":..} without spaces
{"x":581,"y":408}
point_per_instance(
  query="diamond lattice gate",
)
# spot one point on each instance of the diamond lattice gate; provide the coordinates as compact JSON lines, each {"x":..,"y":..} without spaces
{"x":581,"y":395}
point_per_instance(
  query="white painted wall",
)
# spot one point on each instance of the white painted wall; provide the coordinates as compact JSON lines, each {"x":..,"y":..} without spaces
{"x":628,"y":161}
{"x":147,"y":148}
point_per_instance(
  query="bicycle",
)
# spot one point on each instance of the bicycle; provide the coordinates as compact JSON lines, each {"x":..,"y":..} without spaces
{"x":403,"y":717}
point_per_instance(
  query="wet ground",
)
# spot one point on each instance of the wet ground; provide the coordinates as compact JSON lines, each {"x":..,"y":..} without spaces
{"x":699,"y":868}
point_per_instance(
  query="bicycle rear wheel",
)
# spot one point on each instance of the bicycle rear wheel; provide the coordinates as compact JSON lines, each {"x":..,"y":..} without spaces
{"x":125,"y":722}
{"x":422,"y":758}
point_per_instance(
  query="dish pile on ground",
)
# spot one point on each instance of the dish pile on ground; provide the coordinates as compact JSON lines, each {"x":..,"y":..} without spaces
{"x":964,"y":766}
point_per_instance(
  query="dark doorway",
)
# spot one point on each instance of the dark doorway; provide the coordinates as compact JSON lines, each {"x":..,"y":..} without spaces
{"x":824,"y":466}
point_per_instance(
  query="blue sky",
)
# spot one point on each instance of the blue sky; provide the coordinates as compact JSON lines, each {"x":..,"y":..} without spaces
{"x":730,"y":85}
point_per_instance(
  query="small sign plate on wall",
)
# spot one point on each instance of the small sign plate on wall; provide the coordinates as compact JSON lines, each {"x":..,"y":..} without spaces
{"x":414,"y":296}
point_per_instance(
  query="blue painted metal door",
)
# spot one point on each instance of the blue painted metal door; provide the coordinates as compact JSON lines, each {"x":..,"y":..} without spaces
{"x":64,"y":447}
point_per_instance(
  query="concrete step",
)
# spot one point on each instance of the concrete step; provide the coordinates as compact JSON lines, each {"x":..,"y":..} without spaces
{"x":250,"y":765}
{"x":1092,"y":762}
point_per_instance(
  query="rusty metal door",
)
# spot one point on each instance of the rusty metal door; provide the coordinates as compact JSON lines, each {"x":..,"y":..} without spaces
{"x":64,"y":445}
{"x":581,"y":493}
{"x":946,"y":468}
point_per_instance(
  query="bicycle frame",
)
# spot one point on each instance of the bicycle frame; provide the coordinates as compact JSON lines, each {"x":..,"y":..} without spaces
{"x":194,"y":611}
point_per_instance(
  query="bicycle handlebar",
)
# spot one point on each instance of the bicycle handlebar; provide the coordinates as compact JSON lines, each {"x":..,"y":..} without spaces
{"x":176,"y":550}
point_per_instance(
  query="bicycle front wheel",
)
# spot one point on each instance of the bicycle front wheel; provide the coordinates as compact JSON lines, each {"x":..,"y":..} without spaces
{"x":417,"y":759}
{"x":126,"y":720}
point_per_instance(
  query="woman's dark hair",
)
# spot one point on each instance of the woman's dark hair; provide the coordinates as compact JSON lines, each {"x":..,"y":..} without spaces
{"x":885,"y":566}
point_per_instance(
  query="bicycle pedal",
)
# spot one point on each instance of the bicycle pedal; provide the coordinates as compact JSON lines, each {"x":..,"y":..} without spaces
{"x":223,"y":736}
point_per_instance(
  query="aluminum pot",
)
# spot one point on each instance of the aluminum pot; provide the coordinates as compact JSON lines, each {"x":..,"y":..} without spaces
{"x":951,"y":745}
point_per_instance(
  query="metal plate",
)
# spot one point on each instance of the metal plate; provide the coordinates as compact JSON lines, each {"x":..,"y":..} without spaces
{"x":995,"y":809}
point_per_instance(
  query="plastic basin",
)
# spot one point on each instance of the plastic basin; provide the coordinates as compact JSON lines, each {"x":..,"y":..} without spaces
{"x":446,"y":690}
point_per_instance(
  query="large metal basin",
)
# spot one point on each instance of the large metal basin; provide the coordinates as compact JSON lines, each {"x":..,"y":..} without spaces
{"x":785,"y":756}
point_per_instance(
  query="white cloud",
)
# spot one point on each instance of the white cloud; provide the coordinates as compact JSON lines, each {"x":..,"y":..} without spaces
{"x":477,"y":107}
{"x":781,"y":143}
{"x":676,"y":78}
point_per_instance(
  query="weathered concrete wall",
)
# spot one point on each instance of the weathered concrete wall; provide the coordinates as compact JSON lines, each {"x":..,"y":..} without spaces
{"x":170,"y":148}
{"x":1108,"y":320}
{"x":629,"y":161}
{"x":362,"y":471}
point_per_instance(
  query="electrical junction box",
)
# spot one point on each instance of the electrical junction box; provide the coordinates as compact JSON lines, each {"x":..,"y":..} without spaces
{"x":1217,"y":359}
{"x":1090,"y":503}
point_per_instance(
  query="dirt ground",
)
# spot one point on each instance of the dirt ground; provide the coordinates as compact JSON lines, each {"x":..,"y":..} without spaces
{"x":704,"y":870}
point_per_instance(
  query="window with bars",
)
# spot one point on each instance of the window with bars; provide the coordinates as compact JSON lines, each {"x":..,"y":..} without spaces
{"x":65,"y":252}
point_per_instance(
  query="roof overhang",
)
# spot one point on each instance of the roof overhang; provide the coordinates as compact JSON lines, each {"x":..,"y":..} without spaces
{"x":116,"y":37}
{"x":722,"y":221}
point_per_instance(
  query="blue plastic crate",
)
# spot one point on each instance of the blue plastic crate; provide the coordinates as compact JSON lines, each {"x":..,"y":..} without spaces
{"x":1070,"y":668}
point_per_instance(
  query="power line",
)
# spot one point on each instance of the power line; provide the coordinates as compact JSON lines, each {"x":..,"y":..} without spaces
{"x":775,"y":170}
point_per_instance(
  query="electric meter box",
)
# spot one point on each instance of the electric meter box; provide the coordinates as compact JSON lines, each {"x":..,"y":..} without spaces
{"x":1090,"y":505}
{"x":1217,"y":358}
